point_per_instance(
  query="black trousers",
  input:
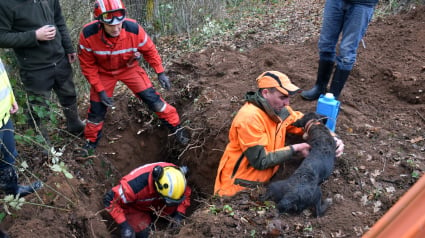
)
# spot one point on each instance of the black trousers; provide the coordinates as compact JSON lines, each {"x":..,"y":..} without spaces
{"x":59,"y":77}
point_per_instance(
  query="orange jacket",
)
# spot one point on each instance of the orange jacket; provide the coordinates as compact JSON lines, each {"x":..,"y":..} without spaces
{"x":251,"y":127}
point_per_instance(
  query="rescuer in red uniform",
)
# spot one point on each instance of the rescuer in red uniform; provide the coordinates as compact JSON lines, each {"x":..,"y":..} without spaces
{"x":153,"y":189}
{"x":109,"y":49}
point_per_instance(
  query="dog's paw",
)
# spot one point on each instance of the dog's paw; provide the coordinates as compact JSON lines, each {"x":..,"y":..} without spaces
{"x":323,"y":207}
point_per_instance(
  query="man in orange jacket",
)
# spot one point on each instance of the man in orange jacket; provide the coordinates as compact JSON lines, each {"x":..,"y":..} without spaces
{"x":257,"y":136}
{"x":109,"y":49}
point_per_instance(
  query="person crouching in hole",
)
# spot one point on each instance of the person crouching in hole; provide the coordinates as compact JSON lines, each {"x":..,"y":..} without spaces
{"x":158,"y":189}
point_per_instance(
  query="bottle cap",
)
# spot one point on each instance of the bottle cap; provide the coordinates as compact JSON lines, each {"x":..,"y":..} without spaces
{"x":329,"y":95}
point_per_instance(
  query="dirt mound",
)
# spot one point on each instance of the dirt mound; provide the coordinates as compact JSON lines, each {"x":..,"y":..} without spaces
{"x":381,"y":122}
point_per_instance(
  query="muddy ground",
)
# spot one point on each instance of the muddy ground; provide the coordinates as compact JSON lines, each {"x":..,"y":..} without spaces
{"x":382,"y":123}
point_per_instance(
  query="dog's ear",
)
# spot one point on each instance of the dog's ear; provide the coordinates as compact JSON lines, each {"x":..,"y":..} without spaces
{"x":299,"y":123}
{"x":322,"y":118}
{"x":314,"y":116}
{"x":303,"y":121}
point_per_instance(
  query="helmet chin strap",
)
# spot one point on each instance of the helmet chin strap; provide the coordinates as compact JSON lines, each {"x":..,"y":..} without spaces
{"x":102,"y":38}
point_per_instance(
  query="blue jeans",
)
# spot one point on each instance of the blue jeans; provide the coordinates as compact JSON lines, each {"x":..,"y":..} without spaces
{"x":349,"y":19}
{"x":7,"y":145}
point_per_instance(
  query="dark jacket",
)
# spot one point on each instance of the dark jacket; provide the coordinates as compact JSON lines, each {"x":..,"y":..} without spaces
{"x":19,"y":19}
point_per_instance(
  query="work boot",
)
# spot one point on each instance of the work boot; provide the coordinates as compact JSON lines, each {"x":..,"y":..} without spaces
{"x":338,"y":81}
{"x":73,"y":122}
{"x":323,"y":75}
{"x":87,"y":150}
{"x":181,"y":135}
{"x":9,"y":183}
{"x":24,"y":190}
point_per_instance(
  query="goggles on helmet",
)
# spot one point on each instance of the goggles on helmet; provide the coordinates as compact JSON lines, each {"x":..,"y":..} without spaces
{"x":169,"y":202}
{"x":112,"y":17}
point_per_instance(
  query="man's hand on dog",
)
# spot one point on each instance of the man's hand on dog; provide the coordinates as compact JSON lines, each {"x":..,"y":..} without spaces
{"x":302,"y":148}
{"x":339,"y":147}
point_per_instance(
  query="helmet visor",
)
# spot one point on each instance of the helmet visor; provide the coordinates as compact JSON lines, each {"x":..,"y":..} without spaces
{"x":112,"y":17}
{"x":169,"y":202}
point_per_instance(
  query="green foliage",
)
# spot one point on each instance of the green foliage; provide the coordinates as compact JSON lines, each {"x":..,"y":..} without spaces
{"x":268,"y":205}
{"x":185,"y":16}
{"x":43,"y":109}
{"x":2,"y":216}
{"x":234,"y":3}
{"x":416,"y":174}
{"x":30,"y":137}
{"x":387,"y":7}
{"x":12,"y":201}
{"x":252,"y":233}
{"x":59,"y":166}
{"x":376,"y":193}
{"x":62,"y":168}
{"x":213,"y":209}
{"x":308,"y":228}
{"x":228,"y":210}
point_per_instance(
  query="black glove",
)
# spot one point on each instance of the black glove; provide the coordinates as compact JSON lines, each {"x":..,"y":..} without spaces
{"x":164,"y":81}
{"x":176,"y":222}
{"x":107,"y":101}
{"x":126,"y":230}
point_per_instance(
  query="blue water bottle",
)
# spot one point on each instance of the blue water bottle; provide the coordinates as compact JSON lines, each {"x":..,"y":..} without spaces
{"x":328,"y":106}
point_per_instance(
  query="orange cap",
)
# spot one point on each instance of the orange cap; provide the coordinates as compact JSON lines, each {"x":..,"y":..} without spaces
{"x":278,"y":80}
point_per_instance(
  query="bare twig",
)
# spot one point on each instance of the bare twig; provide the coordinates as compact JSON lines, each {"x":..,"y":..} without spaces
{"x":48,"y":206}
{"x":91,"y":228}
{"x":185,"y":127}
{"x":423,"y":118}
{"x":191,"y":147}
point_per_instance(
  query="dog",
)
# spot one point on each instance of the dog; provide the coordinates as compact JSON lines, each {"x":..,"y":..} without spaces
{"x":302,"y":189}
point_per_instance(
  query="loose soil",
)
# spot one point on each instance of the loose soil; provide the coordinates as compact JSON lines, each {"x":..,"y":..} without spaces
{"x":382,"y":123}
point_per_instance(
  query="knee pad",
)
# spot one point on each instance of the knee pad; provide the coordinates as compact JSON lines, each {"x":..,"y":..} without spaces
{"x":152,"y":100}
{"x":97,"y":112}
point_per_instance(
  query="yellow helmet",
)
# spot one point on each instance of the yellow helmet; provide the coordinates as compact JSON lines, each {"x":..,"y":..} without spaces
{"x":170,"y":182}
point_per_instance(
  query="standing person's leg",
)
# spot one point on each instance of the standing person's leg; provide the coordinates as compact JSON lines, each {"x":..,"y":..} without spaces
{"x":8,"y":177}
{"x":38,"y":85}
{"x":94,"y":124}
{"x":65,"y":90}
{"x":8,"y":144}
{"x":142,"y":87}
{"x":356,"y":21}
{"x":96,"y":114}
{"x":332,"y":22}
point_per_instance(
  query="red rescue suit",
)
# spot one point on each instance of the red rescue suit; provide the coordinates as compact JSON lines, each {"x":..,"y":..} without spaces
{"x":106,"y":60}
{"x":135,"y":198}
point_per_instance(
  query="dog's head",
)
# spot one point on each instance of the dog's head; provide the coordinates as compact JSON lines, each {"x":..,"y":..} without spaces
{"x":308,"y":117}
{"x":308,"y":120}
